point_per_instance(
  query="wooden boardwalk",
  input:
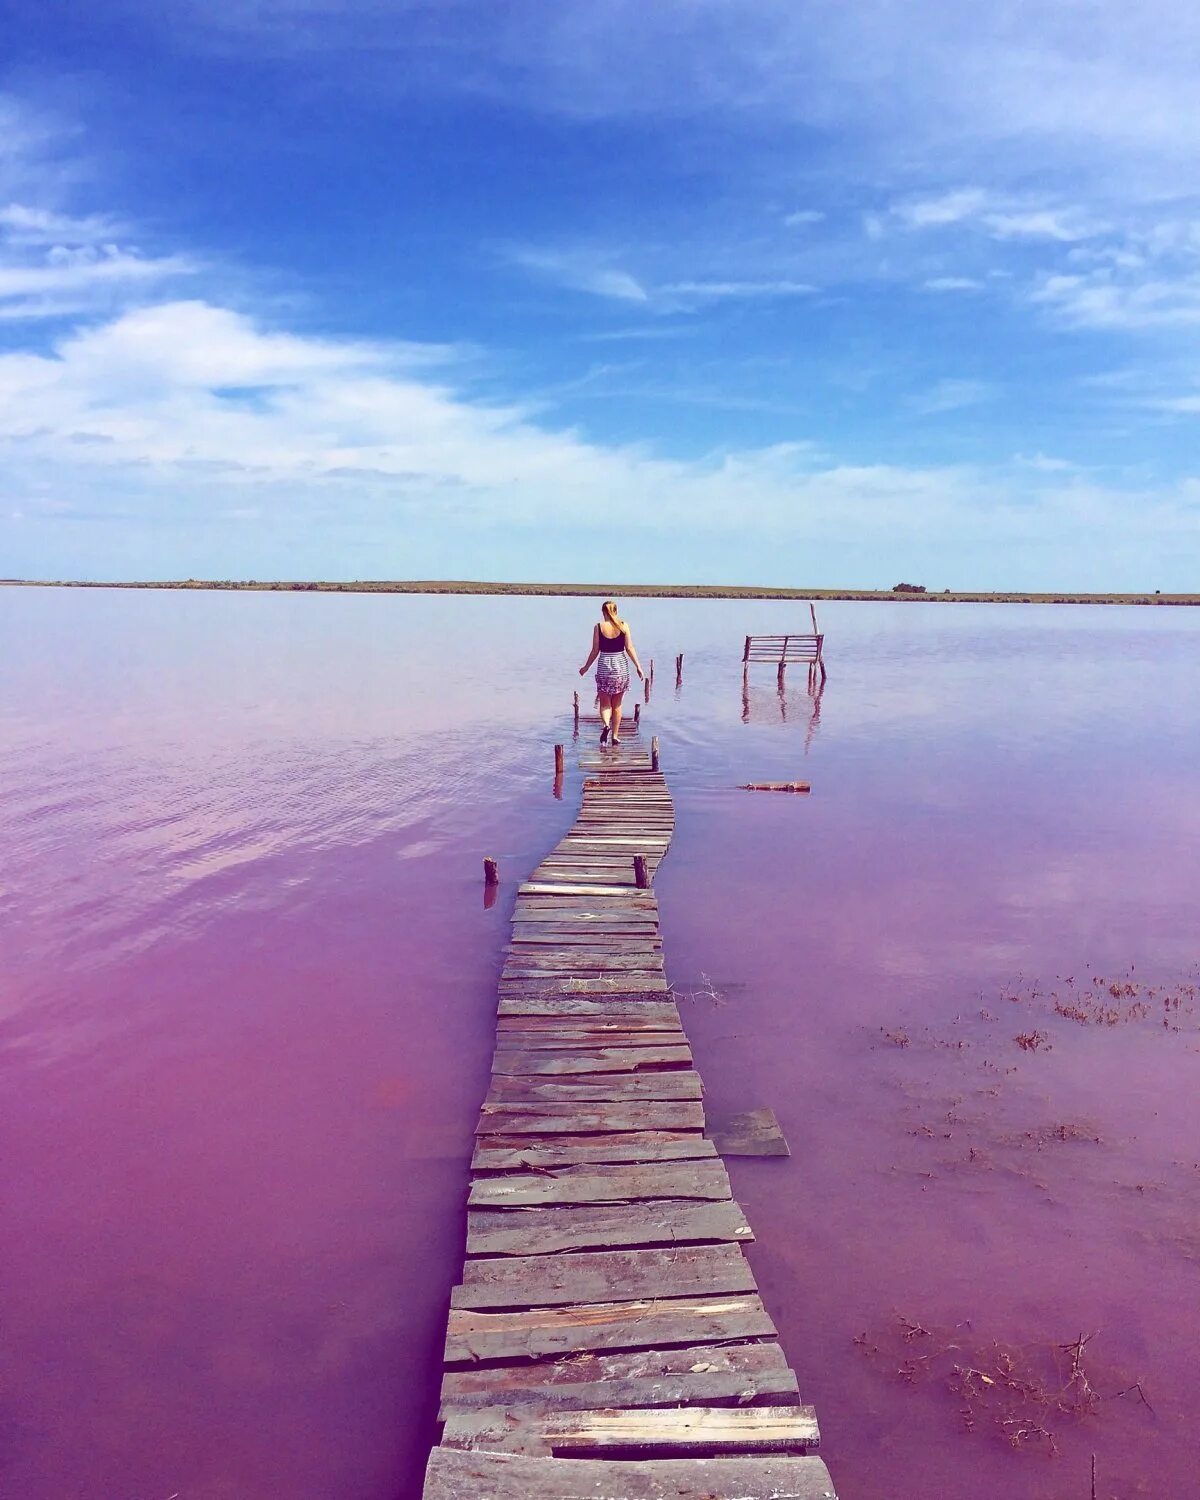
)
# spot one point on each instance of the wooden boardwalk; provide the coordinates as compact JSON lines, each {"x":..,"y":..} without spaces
{"x":607,"y":1340}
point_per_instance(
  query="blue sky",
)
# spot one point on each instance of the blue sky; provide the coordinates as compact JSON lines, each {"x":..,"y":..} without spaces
{"x":778,"y":292}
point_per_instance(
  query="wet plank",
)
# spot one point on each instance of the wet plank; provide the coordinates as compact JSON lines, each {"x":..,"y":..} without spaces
{"x":472,"y":1335}
{"x":603,"y":1184}
{"x":680,"y":1084}
{"x":568,"y":1040}
{"x":554,"y":1118}
{"x":555,"y":1228}
{"x":609,"y":1275}
{"x":685,"y":1430}
{"x":504,"y":1154}
{"x":755,"y":1133}
{"x":646,"y":1377}
{"x":602,"y":1060}
{"x":456,"y":1474}
{"x":640,"y":983}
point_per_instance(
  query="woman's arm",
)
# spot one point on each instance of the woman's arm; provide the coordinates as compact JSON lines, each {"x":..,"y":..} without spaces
{"x":595,"y":652}
{"x":632,"y":654}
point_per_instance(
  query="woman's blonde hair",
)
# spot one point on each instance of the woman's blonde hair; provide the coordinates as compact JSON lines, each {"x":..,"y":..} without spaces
{"x":609,"y":610}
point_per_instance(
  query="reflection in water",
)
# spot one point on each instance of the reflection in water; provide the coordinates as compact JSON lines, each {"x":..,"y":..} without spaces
{"x":814,"y":690}
{"x":250,"y":992}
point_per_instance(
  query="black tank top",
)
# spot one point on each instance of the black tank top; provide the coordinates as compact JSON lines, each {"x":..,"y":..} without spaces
{"x":616,"y":644}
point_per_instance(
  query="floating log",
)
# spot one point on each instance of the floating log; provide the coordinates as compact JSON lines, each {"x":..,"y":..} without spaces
{"x":775,"y":786}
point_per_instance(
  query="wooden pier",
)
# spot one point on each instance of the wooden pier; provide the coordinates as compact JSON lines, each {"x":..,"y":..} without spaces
{"x":607,"y":1340}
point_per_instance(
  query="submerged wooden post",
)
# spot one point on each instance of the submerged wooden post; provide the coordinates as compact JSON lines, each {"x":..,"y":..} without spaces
{"x":654,"y":753}
{"x":637,"y":713}
{"x":782,"y":669}
{"x":576,"y":710}
{"x":679,"y":669}
{"x":641,"y":876}
{"x":491,"y":872}
{"x":746,"y":652}
{"x":558,"y":760}
{"x":651,"y":669}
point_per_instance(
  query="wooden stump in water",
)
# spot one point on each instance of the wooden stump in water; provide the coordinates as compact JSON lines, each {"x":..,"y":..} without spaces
{"x":558,"y":760}
{"x":654,"y":753}
{"x":491,"y":872}
{"x":641,"y":875}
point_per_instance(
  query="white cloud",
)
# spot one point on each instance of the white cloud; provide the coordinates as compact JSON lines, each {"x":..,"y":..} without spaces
{"x":953,"y":284}
{"x":59,"y":271}
{"x":804,"y":216}
{"x":21,"y":224}
{"x":720,"y":289}
{"x":54,"y":263}
{"x":1000,"y":216}
{"x":580,"y":271}
{"x":190,"y":409}
{"x":951,"y":395}
{"x":1104,"y":300}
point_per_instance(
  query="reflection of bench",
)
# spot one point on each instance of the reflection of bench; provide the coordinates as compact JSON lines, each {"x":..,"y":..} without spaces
{"x":783,"y":650}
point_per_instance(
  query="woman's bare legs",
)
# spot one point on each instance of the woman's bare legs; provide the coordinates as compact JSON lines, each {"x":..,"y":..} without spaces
{"x":615,"y":700}
{"x":606,"y":704}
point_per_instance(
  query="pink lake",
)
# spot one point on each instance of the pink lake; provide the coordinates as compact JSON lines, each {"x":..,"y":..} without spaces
{"x":248,"y":998}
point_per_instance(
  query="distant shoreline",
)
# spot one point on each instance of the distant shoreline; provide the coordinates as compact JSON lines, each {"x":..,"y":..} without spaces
{"x":620,"y":590}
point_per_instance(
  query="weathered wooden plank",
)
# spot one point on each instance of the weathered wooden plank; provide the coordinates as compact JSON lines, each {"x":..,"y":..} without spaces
{"x":683,"y":1430}
{"x":552,"y":1151}
{"x":473,"y":1335}
{"x":755,"y":1133}
{"x":679,"y":1084}
{"x":557,"y":940}
{"x":546,"y":1118}
{"x":645,"y":1377}
{"x":603,"y":1184}
{"x":554,"y":1228}
{"x":606,"y":1060}
{"x":575,"y":1039}
{"x":578,"y":1007}
{"x":465,"y":1474}
{"x":567,"y":888}
{"x":610,"y":960}
{"x":628,"y":982}
{"x":608,"y":1275}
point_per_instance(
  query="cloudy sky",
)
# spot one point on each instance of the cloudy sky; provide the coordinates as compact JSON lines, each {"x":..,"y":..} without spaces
{"x":812,"y":292}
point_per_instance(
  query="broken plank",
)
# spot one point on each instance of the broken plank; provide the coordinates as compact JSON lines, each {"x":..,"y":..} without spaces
{"x":473,"y":1335}
{"x":755,"y":1133}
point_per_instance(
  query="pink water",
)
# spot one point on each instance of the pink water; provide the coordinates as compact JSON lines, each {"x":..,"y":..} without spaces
{"x":248,"y":986}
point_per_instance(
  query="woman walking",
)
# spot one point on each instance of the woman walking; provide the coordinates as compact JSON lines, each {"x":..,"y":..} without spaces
{"x":611,"y":642}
